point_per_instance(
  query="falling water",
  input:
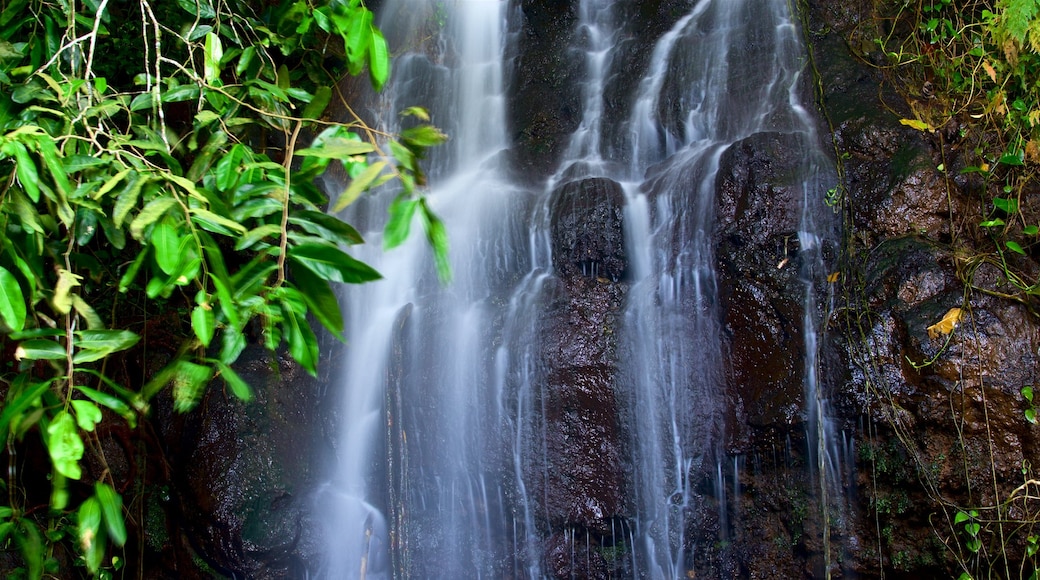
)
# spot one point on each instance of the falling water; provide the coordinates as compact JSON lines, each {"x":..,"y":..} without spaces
{"x":442,"y":419}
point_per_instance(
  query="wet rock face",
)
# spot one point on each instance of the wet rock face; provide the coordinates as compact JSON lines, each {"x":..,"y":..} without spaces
{"x":241,"y":471}
{"x":584,"y":487}
{"x":587,"y":236}
{"x":758,"y":258}
{"x":542,"y":111}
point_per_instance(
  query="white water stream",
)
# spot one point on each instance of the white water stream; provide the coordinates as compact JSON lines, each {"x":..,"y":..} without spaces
{"x":440,"y":408}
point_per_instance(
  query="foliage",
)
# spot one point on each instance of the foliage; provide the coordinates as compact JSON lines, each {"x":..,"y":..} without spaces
{"x":972,"y":65}
{"x":151,"y":160}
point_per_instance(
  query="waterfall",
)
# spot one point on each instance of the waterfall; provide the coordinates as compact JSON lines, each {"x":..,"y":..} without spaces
{"x":443,"y":470}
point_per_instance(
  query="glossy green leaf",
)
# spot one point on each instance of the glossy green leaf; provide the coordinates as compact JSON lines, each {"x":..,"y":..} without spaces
{"x":379,"y":60}
{"x":234,"y":382}
{"x":204,"y":323}
{"x":64,"y":445}
{"x":25,"y":169}
{"x":127,"y":199}
{"x":358,"y":39}
{"x":87,"y":414}
{"x":12,"y":302}
{"x":303,"y":345}
{"x":189,"y":381}
{"x":212,"y":53}
{"x":111,"y":512}
{"x":233,"y":342}
{"x":437,"y":236}
{"x":30,"y":544}
{"x":331,"y":263}
{"x":94,"y":345}
{"x":401,"y":212}
{"x":1015,"y":247}
{"x":106,"y":400}
{"x":167,"y":243}
{"x":257,"y":234}
{"x":150,"y":213}
{"x":329,"y":227}
{"x":131,"y":272}
{"x":40,"y":349}
{"x":21,"y":397}
{"x":337,"y":148}
{"x":88,"y":528}
{"x":216,"y":223}
{"x":318,"y":103}
{"x":423,"y":136}
{"x":320,"y":299}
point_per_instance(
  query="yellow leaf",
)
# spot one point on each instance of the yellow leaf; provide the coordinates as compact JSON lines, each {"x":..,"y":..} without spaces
{"x":833,"y":277}
{"x":946,"y":325}
{"x":916,"y":124}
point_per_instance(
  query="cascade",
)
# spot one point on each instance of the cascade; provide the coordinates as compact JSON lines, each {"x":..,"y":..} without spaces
{"x":455,"y":400}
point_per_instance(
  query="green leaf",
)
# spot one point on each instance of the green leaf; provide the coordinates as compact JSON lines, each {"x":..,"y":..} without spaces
{"x":330,"y":263}
{"x":234,"y":382}
{"x":1015,"y":247}
{"x":39,"y":349}
{"x":318,"y":103}
{"x":961,"y":517}
{"x":329,"y":227}
{"x":94,"y":345}
{"x":216,"y":223}
{"x":64,"y":445}
{"x":30,"y":544}
{"x":189,"y":380}
{"x":401,"y":212}
{"x":87,"y":414}
{"x":127,"y":199}
{"x":88,"y":527}
{"x":167,"y":243}
{"x":358,"y":186}
{"x":112,"y":512}
{"x":379,"y":60}
{"x":150,"y":213}
{"x":1027,"y":392}
{"x":28,"y":395}
{"x":214,"y":51}
{"x":246,"y":59}
{"x":424,"y":136}
{"x":204,"y":323}
{"x":25,"y":169}
{"x":437,"y":236}
{"x":320,"y":299}
{"x":257,"y":234}
{"x":88,"y":313}
{"x":1008,"y":206}
{"x":104,"y":399}
{"x":1030,"y":414}
{"x":303,"y":345}
{"x":358,"y":38}
{"x":994,"y":223}
{"x":131,"y":272}
{"x":12,"y":302}
{"x":232,"y":344}
{"x":337,"y":148}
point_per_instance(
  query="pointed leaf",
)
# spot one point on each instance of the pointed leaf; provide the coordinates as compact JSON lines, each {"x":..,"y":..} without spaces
{"x":359,"y":185}
{"x":12,"y":302}
{"x":111,"y":512}
{"x":234,"y":382}
{"x":330,"y":263}
{"x":379,"y":60}
{"x":401,"y":211}
{"x":204,"y":323}
{"x":150,"y":213}
{"x":64,"y":445}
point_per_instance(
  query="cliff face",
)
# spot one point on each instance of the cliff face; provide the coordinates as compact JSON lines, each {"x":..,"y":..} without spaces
{"x":931,"y":423}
